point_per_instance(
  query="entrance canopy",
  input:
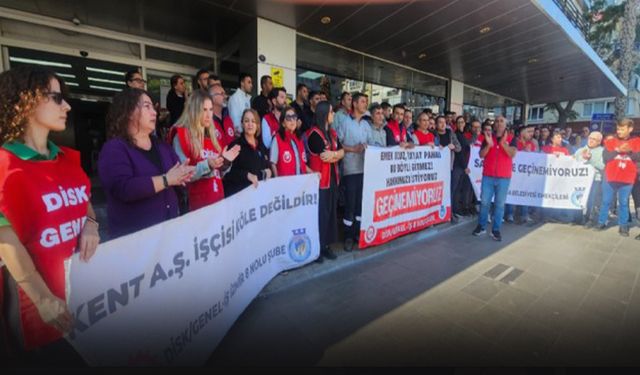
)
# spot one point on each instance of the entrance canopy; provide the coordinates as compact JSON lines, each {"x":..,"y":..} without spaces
{"x":527,"y":50}
{"x":524,"y":50}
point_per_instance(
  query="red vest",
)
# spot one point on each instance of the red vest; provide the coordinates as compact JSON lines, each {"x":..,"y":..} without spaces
{"x":224,"y":131}
{"x":527,"y":146}
{"x":286,"y":165}
{"x":621,"y":169}
{"x":317,"y":165}
{"x":272,"y":121}
{"x":549,"y":149}
{"x":206,"y":190}
{"x":424,"y":138}
{"x":497,"y":163}
{"x":46,"y":204}
{"x":399,"y":134}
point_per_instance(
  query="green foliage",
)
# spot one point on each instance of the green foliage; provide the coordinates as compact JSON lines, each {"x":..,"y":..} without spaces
{"x":605,"y":24}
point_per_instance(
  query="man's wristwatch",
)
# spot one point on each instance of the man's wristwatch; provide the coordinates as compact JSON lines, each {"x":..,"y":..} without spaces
{"x":165,"y":181}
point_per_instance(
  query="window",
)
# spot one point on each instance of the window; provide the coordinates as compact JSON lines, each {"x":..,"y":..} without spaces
{"x":536,"y":113}
{"x":598,"y":107}
{"x":589,"y":108}
{"x":610,"y":107}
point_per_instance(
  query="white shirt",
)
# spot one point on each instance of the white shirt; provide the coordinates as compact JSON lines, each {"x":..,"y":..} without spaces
{"x":238,"y":102}
{"x":266,"y":133}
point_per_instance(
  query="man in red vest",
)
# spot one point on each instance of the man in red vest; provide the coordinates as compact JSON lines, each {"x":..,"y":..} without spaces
{"x":620,"y":156}
{"x":396,"y":131}
{"x":271,"y":121}
{"x":498,"y":149}
{"x":225,"y":133}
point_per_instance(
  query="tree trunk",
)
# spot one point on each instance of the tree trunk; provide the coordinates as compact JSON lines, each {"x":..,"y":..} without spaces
{"x":627,"y":57}
{"x":563,"y":113}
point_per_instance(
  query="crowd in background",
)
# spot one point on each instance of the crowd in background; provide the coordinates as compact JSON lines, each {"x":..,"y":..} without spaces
{"x":210,"y":146}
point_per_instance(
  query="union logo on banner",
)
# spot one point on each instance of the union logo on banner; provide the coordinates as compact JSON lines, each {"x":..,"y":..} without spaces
{"x":576,"y":196}
{"x":299,"y":245}
{"x":370,"y":234}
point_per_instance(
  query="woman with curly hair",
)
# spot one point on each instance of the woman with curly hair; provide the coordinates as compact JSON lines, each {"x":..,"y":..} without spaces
{"x":45,"y":213}
{"x":196,"y":140}
{"x":137,"y":171}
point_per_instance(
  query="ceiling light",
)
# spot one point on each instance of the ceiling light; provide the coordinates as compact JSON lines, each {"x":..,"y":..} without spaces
{"x":94,"y":79}
{"x":485,"y":30}
{"x":104,"y":88}
{"x":532,"y":60}
{"x":71,"y":84}
{"x":325,"y":20}
{"x":106,"y":71}
{"x":310,"y":75}
{"x":422,"y":55}
{"x":65,"y":75}
{"x":39,"y":62}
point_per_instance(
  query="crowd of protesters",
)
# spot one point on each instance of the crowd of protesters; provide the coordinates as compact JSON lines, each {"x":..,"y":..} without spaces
{"x":217,"y":146}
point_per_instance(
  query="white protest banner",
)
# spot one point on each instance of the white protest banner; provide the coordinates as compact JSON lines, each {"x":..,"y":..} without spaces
{"x":541,"y":180}
{"x":404,"y":191}
{"x":168,"y":294}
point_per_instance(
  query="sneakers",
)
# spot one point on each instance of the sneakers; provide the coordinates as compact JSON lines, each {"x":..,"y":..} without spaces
{"x":479,"y":231}
{"x":638,"y":237}
{"x":496,"y":235}
{"x":348,"y":245}
{"x":510,"y":219}
{"x":527,"y":221}
{"x":624,"y":231}
{"x":600,"y":227}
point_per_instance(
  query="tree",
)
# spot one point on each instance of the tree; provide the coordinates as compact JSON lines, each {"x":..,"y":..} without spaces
{"x":613,"y":32}
{"x":564,"y":113}
{"x":628,"y":54}
{"x":604,"y":21}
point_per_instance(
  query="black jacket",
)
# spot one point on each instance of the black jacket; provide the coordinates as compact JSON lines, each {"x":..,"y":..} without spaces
{"x":175,"y":105}
{"x":249,"y":160}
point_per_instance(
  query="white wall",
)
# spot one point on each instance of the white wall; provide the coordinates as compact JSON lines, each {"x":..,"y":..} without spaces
{"x":278,"y":44}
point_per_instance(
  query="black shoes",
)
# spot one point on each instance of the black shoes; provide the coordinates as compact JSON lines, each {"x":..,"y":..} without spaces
{"x":329,"y":254}
{"x":600,"y":227}
{"x":348,"y":245}
{"x":479,"y":231}
{"x":496,"y":235}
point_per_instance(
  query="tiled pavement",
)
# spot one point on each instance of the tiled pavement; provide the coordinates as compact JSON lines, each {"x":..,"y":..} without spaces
{"x":547,"y":295}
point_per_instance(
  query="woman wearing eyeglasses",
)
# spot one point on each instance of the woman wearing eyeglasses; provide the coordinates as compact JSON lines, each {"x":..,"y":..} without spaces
{"x":45,"y":214}
{"x":252,"y":164}
{"x":287,"y":150}
{"x":139,"y":173}
{"x":196,"y":141}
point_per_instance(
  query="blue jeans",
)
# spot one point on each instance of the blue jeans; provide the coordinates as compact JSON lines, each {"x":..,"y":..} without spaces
{"x":609,"y":190}
{"x":512,"y":210}
{"x":493,"y":187}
